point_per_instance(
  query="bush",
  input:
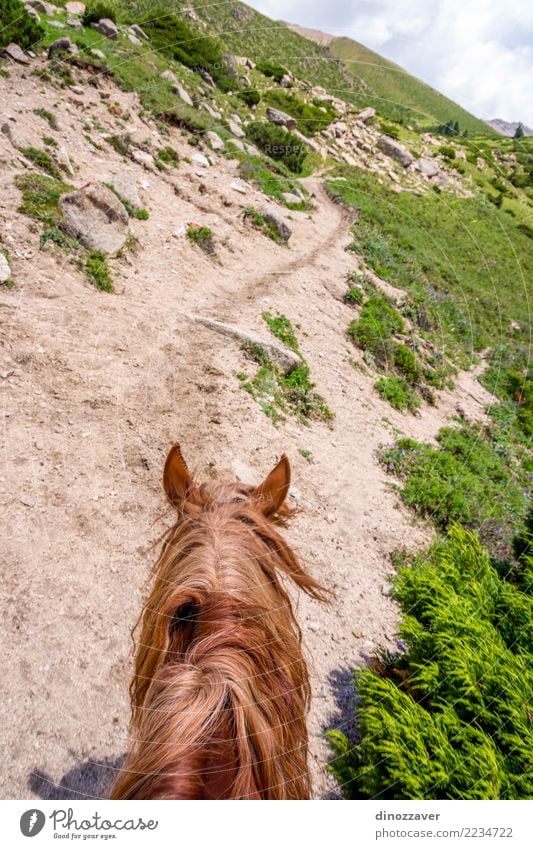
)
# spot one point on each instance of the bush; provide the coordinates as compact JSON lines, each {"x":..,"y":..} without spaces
{"x":447,"y":151}
{"x":277,"y":144}
{"x":98,"y":272}
{"x":95,"y":10}
{"x":271,"y":69}
{"x":173,"y":37}
{"x":17,"y":25}
{"x":390,"y":130}
{"x":447,"y":716}
{"x":406,"y":363}
{"x":250,"y":96}
{"x":354,"y":295}
{"x":376,"y":325}
{"x":42,"y":160}
{"x":398,"y":393}
{"x":202,"y":236}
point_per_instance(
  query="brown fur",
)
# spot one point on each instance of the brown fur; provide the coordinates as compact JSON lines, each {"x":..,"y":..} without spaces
{"x":221,"y":689}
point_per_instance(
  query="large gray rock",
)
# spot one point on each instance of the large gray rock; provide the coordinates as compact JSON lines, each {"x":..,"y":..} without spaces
{"x":140,"y":33}
{"x":16,"y":53}
{"x":427,"y":167}
{"x":367,"y":114}
{"x":276,"y":116}
{"x":308,"y":142}
{"x":105,"y":26}
{"x":210,"y":111}
{"x":41,"y":6}
{"x":96,"y":217}
{"x":177,"y":88}
{"x":274,"y":216}
{"x":395,"y":150}
{"x":5,"y":271}
{"x":74,"y":8}
{"x":236,"y":129}
{"x":285,"y":359}
{"x":14,"y":136}
{"x":63,"y":160}
{"x":126,"y":186}
{"x":215,"y":142}
{"x":63,"y":43}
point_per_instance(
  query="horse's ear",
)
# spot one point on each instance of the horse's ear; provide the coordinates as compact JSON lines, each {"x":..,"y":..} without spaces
{"x":271,"y":494}
{"x":177,"y":481}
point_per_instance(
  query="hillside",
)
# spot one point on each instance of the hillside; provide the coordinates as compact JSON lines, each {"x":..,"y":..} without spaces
{"x":508,"y":128}
{"x":199,"y":246}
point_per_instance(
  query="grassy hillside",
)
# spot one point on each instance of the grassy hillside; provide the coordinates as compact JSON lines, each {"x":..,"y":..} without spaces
{"x":398,"y":95}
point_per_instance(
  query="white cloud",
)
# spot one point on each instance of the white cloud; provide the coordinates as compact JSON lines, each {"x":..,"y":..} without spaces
{"x":477,"y":52}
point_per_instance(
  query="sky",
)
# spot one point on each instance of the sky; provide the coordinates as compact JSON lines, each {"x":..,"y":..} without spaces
{"x":477,"y":52}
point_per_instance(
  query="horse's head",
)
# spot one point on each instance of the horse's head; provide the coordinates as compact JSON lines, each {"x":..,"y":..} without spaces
{"x":268,"y":498}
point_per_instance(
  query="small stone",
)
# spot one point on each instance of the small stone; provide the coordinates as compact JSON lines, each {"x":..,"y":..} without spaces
{"x":143,"y":158}
{"x":200,"y":159}
{"x":27,"y":501}
{"x":74,"y":8}
{"x":140,"y":33}
{"x":134,"y":40}
{"x":64,"y":162}
{"x":236,"y":130}
{"x":16,"y":53}
{"x":105,"y":26}
{"x":367,"y":114}
{"x":5,"y":270}
{"x":99,"y":55}
{"x":239,"y":186}
{"x":214,"y":140}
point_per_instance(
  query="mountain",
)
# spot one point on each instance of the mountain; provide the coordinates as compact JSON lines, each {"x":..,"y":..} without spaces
{"x":396,"y":94}
{"x":508,"y":128}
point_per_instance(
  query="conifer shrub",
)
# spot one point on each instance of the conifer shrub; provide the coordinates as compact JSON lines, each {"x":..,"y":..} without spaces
{"x":276,"y":143}
{"x":447,"y":716}
{"x":17,"y":25}
{"x":272,"y":69}
{"x":95,"y":10}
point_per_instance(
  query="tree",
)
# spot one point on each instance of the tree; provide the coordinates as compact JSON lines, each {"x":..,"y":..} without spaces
{"x":519,"y":132}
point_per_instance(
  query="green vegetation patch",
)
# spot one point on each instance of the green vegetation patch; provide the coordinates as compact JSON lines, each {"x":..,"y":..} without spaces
{"x":42,"y":159}
{"x":398,"y":393}
{"x":465,"y":479}
{"x":261,"y":223}
{"x":311,"y":118}
{"x":18,"y":26}
{"x":40,"y":198}
{"x":280,"y":395}
{"x":202,"y":236}
{"x":274,"y":179}
{"x":95,"y":10}
{"x":449,"y":715}
{"x":277,"y":144}
{"x":97,"y":270}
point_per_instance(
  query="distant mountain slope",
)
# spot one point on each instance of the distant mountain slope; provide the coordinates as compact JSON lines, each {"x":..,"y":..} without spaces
{"x":393,"y":91}
{"x":507,"y":128}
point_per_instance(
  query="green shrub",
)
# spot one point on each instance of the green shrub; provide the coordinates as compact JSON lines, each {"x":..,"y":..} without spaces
{"x":95,"y":10}
{"x":282,"y":329}
{"x":48,"y":116}
{"x":447,"y":716}
{"x":406,"y":363}
{"x":447,"y":151}
{"x":168,"y":156}
{"x":278,"y":144}
{"x":464,"y":480}
{"x":250,"y":96}
{"x":373,"y":330}
{"x":173,"y":37}
{"x":271,"y":69}
{"x":353,"y":295}
{"x":398,"y":393}
{"x":18,"y":26}
{"x":202,"y":236}
{"x":98,"y":272}
{"x":40,"y":198}
{"x":390,"y":130}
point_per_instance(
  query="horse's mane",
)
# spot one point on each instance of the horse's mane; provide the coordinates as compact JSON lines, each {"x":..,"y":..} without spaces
{"x":220,"y":691}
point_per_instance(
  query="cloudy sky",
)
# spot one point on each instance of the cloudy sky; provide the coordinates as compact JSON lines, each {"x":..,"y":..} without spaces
{"x":477,"y":52}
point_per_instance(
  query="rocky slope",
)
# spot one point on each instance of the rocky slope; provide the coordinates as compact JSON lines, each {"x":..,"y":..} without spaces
{"x":96,"y":386}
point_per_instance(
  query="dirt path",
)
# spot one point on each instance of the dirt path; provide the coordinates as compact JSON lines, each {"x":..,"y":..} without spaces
{"x":96,"y":387}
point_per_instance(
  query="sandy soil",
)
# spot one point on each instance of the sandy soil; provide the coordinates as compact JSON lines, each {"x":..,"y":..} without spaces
{"x":95,"y":388}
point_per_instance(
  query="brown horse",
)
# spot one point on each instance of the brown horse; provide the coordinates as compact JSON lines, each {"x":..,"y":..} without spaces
{"x":221,"y":690}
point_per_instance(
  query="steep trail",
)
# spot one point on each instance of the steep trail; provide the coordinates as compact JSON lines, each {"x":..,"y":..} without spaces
{"x":96,"y":387}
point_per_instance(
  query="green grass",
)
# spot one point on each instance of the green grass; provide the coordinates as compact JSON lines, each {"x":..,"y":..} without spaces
{"x":40,"y":198}
{"x":397,"y":95}
{"x":280,"y":395}
{"x":97,"y":9}
{"x":97,"y":270}
{"x":47,"y":116}
{"x":42,"y":159}
{"x":273,"y":178}
{"x":471,"y":478}
{"x":398,"y":393}
{"x":448,"y":716}
{"x":310,"y":118}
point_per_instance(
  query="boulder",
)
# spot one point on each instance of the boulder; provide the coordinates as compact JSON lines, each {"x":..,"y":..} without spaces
{"x":290,"y":197}
{"x":395,"y":150}
{"x":143,"y":158}
{"x":427,"y":167}
{"x":13,"y":51}
{"x":286,"y":81}
{"x":239,"y":186}
{"x":74,"y":8}
{"x":63,"y":160}
{"x":214,"y":140}
{"x":236,"y":143}
{"x":367,"y":114}
{"x":273,"y":216}
{"x":170,"y":76}
{"x":284,"y":358}
{"x":105,"y":26}
{"x":276,"y":116}
{"x":56,"y":24}
{"x":309,"y":142}
{"x":236,"y":130}
{"x":126,"y":186}
{"x":75,"y":23}
{"x":134,"y":40}
{"x":63,"y":43}
{"x":96,"y":217}
{"x":183,"y":94}
{"x":210,"y":111}
{"x":99,"y":54}
{"x":140,"y":33}
{"x":41,"y":6}
{"x":5,"y":271}
{"x":200,"y":159}
{"x":340,"y":129}
{"x":33,"y":13}
{"x":16,"y":140}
